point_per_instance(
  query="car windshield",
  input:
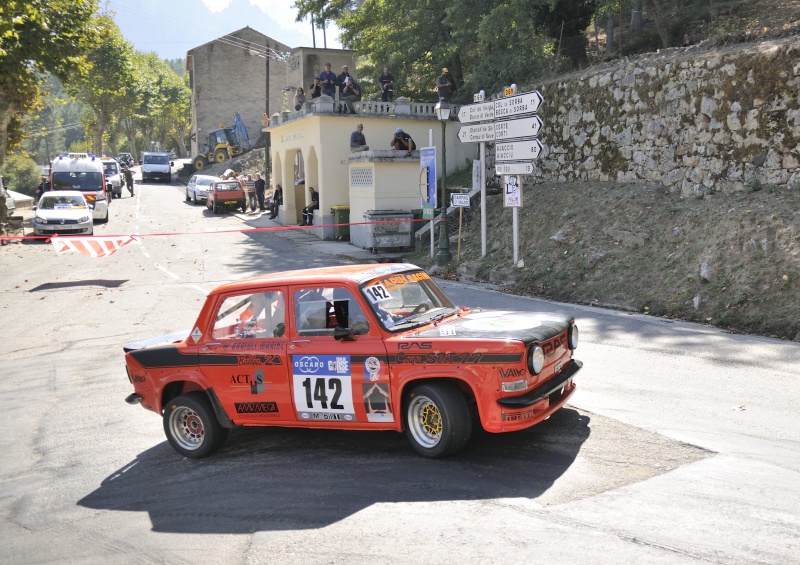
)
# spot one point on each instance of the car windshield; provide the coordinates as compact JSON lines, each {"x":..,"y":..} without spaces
{"x":62,"y":203}
{"x":156,"y":160}
{"x":406,"y":300}
{"x":203,"y":182}
{"x":77,"y":181}
{"x":226,"y":186}
{"x":110,"y":168}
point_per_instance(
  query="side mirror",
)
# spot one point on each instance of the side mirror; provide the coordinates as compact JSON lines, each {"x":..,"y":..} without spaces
{"x":343,"y":334}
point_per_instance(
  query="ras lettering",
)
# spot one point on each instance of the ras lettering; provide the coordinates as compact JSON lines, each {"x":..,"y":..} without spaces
{"x":415,"y":345}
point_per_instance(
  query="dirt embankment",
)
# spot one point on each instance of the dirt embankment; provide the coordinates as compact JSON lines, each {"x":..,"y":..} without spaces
{"x":732,"y":261}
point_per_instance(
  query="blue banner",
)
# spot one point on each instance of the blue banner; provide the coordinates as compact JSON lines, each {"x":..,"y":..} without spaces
{"x":427,"y":163}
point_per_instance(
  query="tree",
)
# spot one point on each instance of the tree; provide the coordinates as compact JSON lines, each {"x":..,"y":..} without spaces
{"x":38,"y":36}
{"x":107,"y":80}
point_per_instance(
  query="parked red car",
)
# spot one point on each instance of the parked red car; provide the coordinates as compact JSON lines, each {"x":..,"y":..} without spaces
{"x":361,"y":347}
{"x":226,"y":194}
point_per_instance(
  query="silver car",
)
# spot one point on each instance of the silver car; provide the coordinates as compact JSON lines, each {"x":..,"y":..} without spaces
{"x":198,"y":186}
{"x":63,"y":212}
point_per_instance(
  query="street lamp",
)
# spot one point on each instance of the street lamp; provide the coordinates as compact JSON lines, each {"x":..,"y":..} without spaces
{"x":444,"y":256}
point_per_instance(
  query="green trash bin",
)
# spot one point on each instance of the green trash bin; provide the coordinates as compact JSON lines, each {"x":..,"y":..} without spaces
{"x":341,"y":215}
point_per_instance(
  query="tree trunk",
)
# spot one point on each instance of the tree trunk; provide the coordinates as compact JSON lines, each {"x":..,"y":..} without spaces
{"x":6,"y":113}
{"x":636,"y":18}
{"x":97,"y":136}
{"x":609,"y":34}
{"x":181,"y":145}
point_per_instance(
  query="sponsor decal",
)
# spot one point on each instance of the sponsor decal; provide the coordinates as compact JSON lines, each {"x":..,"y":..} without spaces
{"x":257,"y":345}
{"x":518,"y":416}
{"x":307,"y":364}
{"x":415,"y":345}
{"x":437,"y":358}
{"x":196,"y":334}
{"x":268,"y":360}
{"x":268,"y":407}
{"x":256,"y":382}
{"x":447,"y":330}
{"x":138,"y":378}
{"x":377,"y":402}
{"x":511,"y":373}
{"x":551,"y":347}
{"x":372,"y":366}
{"x":322,"y":387}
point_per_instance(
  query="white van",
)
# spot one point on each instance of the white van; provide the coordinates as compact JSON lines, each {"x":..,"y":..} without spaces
{"x":156,"y":166}
{"x":83,"y":172}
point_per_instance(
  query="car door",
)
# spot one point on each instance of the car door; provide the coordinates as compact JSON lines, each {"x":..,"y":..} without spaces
{"x":336,"y":382}
{"x":244,"y":357}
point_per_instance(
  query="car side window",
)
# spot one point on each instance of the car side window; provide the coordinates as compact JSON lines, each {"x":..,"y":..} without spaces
{"x":258,"y":315}
{"x":319,"y":311}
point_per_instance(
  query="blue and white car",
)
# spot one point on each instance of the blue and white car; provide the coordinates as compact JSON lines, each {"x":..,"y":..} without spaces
{"x":62,"y":212}
{"x":197,"y":188}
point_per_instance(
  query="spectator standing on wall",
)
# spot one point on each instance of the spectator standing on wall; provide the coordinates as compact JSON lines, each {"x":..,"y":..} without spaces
{"x":299,"y":98}
{"x":261,"y":187}
{"x":327,"y":79}
{"x":357,"y":140}
{"x":445,"y":85}
{"x":308,"y":211}
{"x":315,"y":89}
{"x":341,"y":81}
{"x":352,"y":93}
{"x":387,"y":85}
{"x":277,"y":200}
{"x":402,"y":141}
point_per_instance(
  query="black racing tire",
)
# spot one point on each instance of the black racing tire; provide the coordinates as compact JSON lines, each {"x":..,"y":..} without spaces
{"x":191,"y":426}
{"x":437,"y":419}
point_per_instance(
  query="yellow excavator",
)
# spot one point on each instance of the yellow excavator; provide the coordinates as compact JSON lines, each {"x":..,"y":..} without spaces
{"x":223,"y":143}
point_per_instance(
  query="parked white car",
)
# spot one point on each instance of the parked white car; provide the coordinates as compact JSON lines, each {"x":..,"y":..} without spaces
{"x":113,"y":174}
{"x":63,"y":212}
{"x":197,"y":188}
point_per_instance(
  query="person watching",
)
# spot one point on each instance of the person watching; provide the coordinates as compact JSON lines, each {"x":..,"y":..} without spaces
{"x":357,"y":140}
{"x":402,"y":141}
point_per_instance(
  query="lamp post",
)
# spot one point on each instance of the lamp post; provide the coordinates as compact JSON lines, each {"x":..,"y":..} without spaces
{"x":443,"y":257}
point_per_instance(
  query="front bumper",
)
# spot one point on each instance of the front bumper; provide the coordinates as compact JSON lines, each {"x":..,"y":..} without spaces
{"x":543,"y":390}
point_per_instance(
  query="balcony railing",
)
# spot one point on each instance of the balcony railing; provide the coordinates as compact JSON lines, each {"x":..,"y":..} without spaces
{"x":325,"y":105}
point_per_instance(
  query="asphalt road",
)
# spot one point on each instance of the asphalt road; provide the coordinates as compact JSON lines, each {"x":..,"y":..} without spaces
{"x":680,"y":446}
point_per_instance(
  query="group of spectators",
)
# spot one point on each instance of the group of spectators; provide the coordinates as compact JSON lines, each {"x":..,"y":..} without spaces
{"x":255,"y":191}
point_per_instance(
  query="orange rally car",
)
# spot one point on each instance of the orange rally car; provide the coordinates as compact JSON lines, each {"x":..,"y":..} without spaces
{"x":362,"y":347}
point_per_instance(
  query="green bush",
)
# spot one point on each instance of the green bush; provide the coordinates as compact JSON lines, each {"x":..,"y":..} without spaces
{"x":21,"y":174}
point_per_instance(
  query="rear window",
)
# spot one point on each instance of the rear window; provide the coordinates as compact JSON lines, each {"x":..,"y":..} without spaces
{"x":227,"y":186}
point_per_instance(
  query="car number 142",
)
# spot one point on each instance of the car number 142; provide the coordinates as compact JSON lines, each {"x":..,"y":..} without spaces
{"x":316,"y":397}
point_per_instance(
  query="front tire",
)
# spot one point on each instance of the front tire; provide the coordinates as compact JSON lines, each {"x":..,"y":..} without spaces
{"x":437,"y":419}
{"x":191,"y":427}
{"x":188,"y":198}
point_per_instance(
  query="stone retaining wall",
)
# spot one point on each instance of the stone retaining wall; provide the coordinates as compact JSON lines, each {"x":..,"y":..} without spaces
{"x":694,"y":120}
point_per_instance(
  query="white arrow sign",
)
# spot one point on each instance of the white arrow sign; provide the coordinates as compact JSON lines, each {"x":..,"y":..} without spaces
{"x":521,"y":127}
{"x":475,"y":133}
{"x":476,"y":112}
{"x":514,"y":169}
{"x":517,"y":151}
{"x":526,"y":103}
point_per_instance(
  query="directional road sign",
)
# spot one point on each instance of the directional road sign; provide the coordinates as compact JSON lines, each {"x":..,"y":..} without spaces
{"x":521,"y":127}
{"x":459,"y":200}
{"x":477,"y":132}
{"x":525,"y":103}
{"x":514,"y":169}
{"x":476,"y":112}
{"x":517,"y":150}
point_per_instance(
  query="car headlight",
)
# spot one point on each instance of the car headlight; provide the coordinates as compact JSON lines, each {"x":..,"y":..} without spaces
{"x":83,"y":219}
{"x":573,"y":336}
{"x":535,"y":359}
{"x":39,"y":220}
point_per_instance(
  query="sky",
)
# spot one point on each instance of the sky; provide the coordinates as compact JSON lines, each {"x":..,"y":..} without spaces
{"x":173,"y":27}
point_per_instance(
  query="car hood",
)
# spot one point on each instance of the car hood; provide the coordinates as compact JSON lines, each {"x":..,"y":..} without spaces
{"x":56,"y":215}
{"x":175,"y":337}
{"x":502,"y":325}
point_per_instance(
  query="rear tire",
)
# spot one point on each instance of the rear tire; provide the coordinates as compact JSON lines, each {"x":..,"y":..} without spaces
{"x":188,"y":198}
{"x":437,"y":419}
{"x":191,"y":426}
